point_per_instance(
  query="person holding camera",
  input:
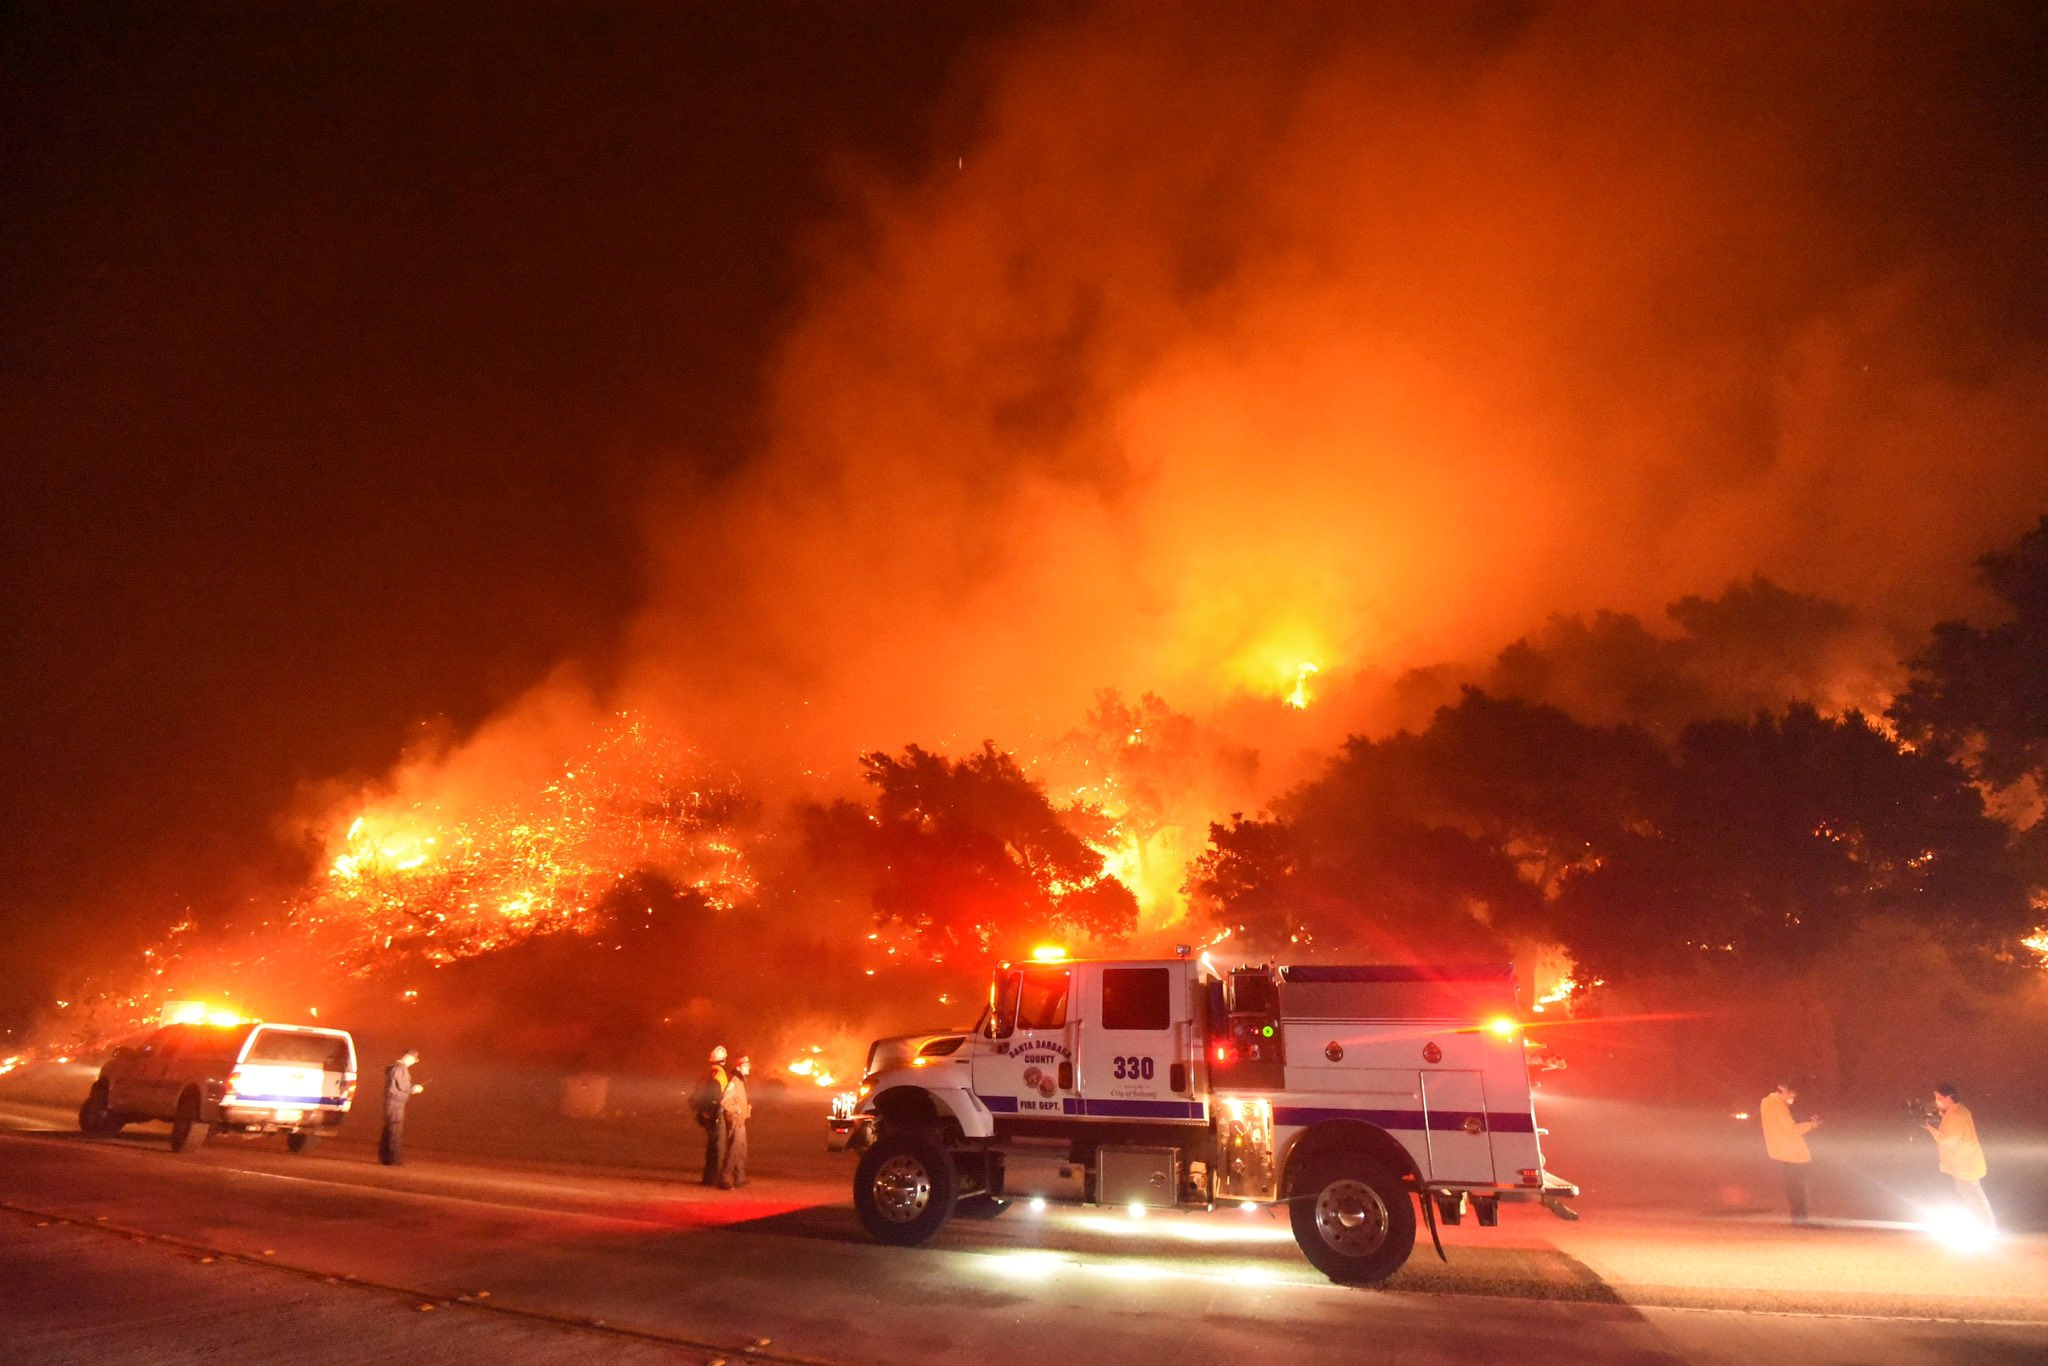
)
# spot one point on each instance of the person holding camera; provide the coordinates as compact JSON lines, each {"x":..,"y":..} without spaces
{"x":1785,"y":1144}
{"x":1960,"y":1155}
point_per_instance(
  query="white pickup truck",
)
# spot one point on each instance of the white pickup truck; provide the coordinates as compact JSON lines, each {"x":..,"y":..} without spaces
{"x":1354,"y":1095}
{"x":249,"y":1077}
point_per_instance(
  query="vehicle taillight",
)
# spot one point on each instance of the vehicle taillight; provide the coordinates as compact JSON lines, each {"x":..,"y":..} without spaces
{"x":1225,"y":1055}
{"x":1532,"y":1176}
{"x":234,"y":1083}
{"x":348,"y":1091}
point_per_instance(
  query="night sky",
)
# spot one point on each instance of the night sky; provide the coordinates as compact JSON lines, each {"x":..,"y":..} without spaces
{"x":915,"y":369}
{"x":339,"y":342}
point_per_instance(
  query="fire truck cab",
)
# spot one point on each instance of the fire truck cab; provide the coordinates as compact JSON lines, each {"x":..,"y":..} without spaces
{"x":1353,"y":1095}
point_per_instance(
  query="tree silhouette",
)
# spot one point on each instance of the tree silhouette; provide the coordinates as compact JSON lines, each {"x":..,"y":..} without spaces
{"x":1781,"y":835}
{"x":1982,"y":694}
{"x":1759,"y":844}
{"x":971,"y":854}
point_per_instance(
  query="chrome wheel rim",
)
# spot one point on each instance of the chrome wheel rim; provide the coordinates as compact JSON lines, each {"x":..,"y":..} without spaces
{"x":1351,"y":1218}
{"x":903,"y":1189}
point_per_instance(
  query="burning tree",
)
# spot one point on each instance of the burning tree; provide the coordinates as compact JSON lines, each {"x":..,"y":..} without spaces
{"x":971,"y":854}
{"x":1155,"y":770}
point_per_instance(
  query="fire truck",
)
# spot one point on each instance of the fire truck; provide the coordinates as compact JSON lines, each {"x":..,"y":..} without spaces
{"x":1353,"y":1096}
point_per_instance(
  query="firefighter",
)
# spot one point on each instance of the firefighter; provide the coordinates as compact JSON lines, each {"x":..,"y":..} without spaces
{"x":705,"y":1099}
{"x":737,"y":1110}
{"x":399,"y":1087}
{"x":1960,"y":1155}
{"x":1785,"y":1144}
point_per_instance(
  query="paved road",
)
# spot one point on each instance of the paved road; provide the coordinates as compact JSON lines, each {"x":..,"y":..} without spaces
{"x":118,"y":1250}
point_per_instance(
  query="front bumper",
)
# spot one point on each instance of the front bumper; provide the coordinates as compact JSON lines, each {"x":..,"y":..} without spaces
{"x":850,"y":1133}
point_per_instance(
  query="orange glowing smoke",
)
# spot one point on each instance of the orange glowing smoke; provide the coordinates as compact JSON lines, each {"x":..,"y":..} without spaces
{"x":1363,"y":335}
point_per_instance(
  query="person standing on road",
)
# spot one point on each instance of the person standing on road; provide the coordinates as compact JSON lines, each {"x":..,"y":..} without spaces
{"x":705,"y":1099}
{"x":399,"y":1088}
{"x":1960,"y":1155}
{"x":737,"y":1111}
{"x":1785,"y":1144}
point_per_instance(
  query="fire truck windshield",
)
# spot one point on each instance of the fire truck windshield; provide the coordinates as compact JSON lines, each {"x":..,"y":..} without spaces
{"x":1035,"y":998}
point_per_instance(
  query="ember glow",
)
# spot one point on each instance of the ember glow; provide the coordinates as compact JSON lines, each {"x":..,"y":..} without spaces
{"x":414,"y":872}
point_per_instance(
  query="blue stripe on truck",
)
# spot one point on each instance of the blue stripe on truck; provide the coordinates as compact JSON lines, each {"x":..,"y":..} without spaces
{"x":1072,"y":1107}
{"x":1500,"y":1122}
{"x":1298,"y":1116}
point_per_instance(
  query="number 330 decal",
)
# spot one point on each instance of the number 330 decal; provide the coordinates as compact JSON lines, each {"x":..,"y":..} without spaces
{"x":1134,"y":1069}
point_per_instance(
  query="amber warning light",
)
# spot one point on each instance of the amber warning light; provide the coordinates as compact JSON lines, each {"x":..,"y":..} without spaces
{"x":198,"y":1012}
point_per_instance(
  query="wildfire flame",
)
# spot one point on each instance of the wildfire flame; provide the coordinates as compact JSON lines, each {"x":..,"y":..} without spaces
{"x":1298,"y":696}
{"x":1562,"y":993}
{"x":811,"y":1066}
{"x":411,"y":879}
{"x":456,"y":886}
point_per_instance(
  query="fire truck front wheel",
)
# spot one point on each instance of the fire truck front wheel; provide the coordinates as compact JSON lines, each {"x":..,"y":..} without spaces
{"x":1352,"y":1219}
{"x":904,"y":1187}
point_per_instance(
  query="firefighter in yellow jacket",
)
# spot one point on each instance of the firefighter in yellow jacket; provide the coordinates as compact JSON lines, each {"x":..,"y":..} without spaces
{"x":1960,"y":1155}
{"x":1785,"y":1144}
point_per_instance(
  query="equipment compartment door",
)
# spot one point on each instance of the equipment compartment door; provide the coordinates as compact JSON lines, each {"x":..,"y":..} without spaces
{"x":1454,"y":1113}
{"x":1137,"y":1036}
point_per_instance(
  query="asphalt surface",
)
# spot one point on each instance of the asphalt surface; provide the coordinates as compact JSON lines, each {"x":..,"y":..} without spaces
{"x":118,"y":1250}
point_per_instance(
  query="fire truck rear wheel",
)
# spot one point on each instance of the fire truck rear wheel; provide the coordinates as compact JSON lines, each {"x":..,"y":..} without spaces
{"x":1352,"y":1219}
{"x":188,"y":1131}
{"x":904,"y":1187}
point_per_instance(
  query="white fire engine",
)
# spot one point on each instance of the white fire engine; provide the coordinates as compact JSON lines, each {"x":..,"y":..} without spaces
{"x":1351,"y":1094}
